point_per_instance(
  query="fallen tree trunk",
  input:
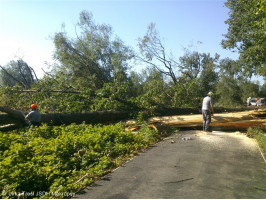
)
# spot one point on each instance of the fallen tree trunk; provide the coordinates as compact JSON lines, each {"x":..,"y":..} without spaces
{"x":6,"y":119}
{"x":188,"y":111}
{"x":16,"y":114}
{"x":68,"y":118}
{"x":87,"y":117}
{"x":238,"y":120}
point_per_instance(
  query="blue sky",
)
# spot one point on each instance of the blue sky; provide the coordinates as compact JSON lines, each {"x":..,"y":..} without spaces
{"x":27,"y":26}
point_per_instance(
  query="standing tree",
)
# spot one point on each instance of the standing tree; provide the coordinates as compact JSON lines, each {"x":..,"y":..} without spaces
{"x":208,"y":77}
{"x":17,"y":73}
{"x":154,"y":90}
{"x":193,"y":63}
{"x":246,"y":33}
{"x":183,"y":73}
{"x":199,"y":77}
{"x":228,"y":88}
{"x":190,"y":64}
{"x":248,"y":89}
{"x":154,"y":53}
{"x":93,"y":57}
{"x":263,"y":90}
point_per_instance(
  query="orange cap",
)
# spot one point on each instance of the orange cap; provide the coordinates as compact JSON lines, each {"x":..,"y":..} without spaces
{"x":33,"y":106}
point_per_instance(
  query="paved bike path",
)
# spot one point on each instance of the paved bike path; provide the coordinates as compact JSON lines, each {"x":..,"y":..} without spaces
{"x":210,"y":165}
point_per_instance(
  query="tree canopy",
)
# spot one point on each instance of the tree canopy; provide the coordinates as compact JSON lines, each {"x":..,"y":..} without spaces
{"x":92,"y":72}
{"x":247,"y":33}
{"x":93,"y":57}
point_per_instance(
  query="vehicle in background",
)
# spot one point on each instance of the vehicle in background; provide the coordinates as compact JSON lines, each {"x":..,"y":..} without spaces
{"x":261,"y":102}
{"x":253,"y":102}
{"x":257,"y":102}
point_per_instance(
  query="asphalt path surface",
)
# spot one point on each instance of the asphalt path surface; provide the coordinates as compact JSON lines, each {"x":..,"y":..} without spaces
{"x":209,"y":165}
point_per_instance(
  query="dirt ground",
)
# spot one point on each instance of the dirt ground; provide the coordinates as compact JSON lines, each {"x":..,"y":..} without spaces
{"x":187,"y":165}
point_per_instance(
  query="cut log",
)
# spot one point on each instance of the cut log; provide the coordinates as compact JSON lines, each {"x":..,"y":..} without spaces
{"x":244,"y":124}
{"x":238,"y":120}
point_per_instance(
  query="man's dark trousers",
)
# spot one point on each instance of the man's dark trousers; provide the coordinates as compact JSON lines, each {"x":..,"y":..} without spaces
{"x":206,"y":119}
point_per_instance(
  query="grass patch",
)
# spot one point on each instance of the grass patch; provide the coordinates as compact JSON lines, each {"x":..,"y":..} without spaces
{"x":260,"y":135}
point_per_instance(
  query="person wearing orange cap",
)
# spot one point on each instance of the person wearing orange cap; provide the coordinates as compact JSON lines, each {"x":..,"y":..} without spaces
{"x":34,"y":116}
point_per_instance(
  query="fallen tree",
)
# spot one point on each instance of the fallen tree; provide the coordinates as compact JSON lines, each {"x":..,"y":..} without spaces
{"x":236,"y":120}
{"x":68,"y":118}
{"x":229,"y":120}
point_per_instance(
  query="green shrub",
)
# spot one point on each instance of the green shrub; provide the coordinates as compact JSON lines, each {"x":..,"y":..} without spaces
{"x":52,"y":162}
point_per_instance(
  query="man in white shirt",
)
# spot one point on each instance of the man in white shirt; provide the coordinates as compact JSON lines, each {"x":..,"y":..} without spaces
{"x":207,"y":111}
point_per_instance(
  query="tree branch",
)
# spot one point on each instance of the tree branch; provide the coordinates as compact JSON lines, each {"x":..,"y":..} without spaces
{"x":20,"y":82}
{"x":53,"y":91}
{"x":21,"y":73}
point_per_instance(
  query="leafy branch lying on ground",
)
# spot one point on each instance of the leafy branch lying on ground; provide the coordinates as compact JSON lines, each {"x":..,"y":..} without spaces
{"x":51,"y":161}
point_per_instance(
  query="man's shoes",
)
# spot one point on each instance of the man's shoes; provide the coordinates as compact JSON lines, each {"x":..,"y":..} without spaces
{"x":208,"y":130}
